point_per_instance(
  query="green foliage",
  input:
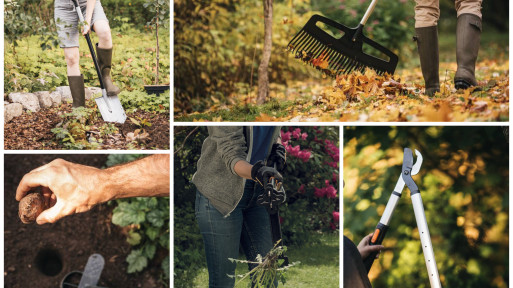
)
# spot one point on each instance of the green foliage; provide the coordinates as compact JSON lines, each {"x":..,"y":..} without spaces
{"x":464,"y":186}
{"x":218,"y":46}
{"x":148,"y":221}
{"x":162,"y":8}
{"x":71,"y":132}
{"x":133,"y":63}
{"x":133,"y":100}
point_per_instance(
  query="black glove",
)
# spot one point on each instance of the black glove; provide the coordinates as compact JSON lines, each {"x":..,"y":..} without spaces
{"x":278,"y":156}
{"x":261,"y":173}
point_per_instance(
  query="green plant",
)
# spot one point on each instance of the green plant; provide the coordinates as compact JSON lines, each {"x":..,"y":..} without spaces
{"x":72,"y":131}
{"x":141,"y":100}
{"x":161,"y":10}
{"x":268,"y":269}
{"x":147,"y":220}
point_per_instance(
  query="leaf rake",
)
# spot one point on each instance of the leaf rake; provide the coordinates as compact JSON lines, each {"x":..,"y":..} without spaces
{"x":335,"y":56}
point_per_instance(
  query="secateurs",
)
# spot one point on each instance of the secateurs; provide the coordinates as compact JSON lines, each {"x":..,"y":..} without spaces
{"x":273,"y":196}
{"x":405,"y":179}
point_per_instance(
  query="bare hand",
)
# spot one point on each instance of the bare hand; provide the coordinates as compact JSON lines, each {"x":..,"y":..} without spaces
{"x":366,"y":249}
{"x":67,"y":188}
{"x":85,"y":27}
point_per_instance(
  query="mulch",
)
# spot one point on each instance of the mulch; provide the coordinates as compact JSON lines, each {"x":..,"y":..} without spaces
{"x":72,"y":239}
{"x":32,"y":131}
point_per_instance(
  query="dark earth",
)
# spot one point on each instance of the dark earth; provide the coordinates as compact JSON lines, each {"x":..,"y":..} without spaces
{"x":31,"y":250}
{"x":32,"y":131}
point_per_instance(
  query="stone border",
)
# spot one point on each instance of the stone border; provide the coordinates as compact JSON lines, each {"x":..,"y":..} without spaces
{"x":42,"y":99}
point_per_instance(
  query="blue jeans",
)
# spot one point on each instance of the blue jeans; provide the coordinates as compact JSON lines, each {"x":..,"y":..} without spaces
{"x":248,"y":225}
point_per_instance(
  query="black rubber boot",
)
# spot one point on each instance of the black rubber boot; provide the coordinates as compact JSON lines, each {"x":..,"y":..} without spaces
{"x":468,"y":36}
{"x":76,"y":85}
{"x":105,"y":61}
{"x":427,"y":44}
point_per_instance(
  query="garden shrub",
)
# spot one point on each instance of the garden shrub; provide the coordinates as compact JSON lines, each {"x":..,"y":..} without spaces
{"x":147,"y":220}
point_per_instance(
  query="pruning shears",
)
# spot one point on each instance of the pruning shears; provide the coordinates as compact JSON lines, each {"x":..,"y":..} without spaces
{"x":274,"y":195}
{"x":405,"y":179}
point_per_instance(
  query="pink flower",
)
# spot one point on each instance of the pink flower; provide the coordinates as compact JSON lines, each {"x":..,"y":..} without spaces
{"x":301,"y":189}
{"x":331,"y":192}
{"x":319,"y":192}
{"x":304,"y":135}
{"x":334,"y":177}
{"x":336,"y":216}
{"x":296,"y":133}
{"x":293,"y":151}
{"x":304,"y":155}
{"x":285,"y":136}
{"x":332,"y":226}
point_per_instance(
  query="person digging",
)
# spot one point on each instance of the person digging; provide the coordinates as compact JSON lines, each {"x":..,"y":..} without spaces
{"x":468,"y":35}
{"x":66,"y":20}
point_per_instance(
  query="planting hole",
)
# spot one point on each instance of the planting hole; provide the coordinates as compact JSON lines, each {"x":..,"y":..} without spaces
{"x":48,"y":262}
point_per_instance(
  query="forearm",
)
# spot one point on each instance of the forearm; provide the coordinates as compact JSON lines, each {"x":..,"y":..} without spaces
{"x":146,"y":177}
{"x":243,"y":169}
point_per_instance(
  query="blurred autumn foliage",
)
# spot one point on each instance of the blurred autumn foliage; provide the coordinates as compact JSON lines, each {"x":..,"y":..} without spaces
{"x":464,"y":186}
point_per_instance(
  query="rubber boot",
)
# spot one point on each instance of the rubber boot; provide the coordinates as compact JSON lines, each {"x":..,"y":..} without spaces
{"x":468,"y":36}
{"x":427,"y":44}
{"x":105,"y":61}
{"x":76,"y":85}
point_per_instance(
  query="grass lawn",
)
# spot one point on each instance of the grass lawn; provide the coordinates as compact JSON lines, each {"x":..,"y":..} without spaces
{"x":319,"y":265}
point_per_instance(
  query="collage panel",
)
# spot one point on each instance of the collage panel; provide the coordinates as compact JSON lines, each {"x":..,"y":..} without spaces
{"x":86,"y":220}
{"x":449,"y":228}
{"x":90,"y":75}
{"x":280,"y":227}
{"x":347,"y":61}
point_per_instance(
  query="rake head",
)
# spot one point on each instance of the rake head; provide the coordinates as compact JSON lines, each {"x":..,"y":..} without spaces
{"x":339,"y":56}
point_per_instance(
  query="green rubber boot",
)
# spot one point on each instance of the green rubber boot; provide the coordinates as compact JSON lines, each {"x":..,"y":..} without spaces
{"x":76,"y":85}
{"x":427,"y":44}
{"x":468,"y":36}
{"x":105,"y":61}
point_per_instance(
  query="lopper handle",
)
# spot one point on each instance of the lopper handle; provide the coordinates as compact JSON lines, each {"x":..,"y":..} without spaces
{"x":377,"y":239}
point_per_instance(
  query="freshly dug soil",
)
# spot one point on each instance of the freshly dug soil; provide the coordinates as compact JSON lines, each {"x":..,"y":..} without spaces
{"x":41,"y":255}
{"x":33,"y":131}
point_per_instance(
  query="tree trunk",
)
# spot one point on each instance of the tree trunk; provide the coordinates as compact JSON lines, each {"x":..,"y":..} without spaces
{"x":263,"y":77}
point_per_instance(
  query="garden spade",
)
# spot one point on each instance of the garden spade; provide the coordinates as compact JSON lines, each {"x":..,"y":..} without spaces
{"x":335,"y":56}
{"x":274,"y":194}
{"x":110,"y":107}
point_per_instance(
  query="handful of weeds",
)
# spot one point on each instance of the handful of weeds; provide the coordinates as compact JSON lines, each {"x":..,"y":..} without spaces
{"x":268,"y":270}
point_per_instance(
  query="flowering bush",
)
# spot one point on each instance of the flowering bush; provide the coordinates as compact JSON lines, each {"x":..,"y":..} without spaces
{"x":311,"y":180}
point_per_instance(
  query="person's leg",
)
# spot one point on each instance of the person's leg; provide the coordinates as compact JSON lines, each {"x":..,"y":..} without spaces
{"x":221,"y":236}
{"x":427,"y":13}
{"x":468,"y":36}
{"x":101,"y":27}
{"x":256,"y":238}
{"x":67,"y":29}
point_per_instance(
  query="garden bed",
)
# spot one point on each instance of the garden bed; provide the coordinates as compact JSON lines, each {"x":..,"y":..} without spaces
{"x":33,"y":130}
{"x":73,"y":239}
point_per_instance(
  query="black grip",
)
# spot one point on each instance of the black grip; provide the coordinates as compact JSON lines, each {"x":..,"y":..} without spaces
{"x":381,"y":229}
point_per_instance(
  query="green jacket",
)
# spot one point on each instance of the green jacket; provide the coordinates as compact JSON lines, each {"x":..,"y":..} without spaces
{"x":215,"y":177}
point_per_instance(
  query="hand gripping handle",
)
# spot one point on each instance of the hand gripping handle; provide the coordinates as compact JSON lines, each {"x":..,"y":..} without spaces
{"x":377,"y":239}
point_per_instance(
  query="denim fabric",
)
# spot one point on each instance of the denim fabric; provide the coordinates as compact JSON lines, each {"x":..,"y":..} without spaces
{"x":248,"y":225}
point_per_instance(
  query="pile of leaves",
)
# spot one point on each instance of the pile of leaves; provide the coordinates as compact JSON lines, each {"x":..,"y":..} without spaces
{"x":371,"y":97}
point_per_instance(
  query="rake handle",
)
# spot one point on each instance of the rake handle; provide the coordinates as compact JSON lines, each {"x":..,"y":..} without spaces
{"x":366,"y":16}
